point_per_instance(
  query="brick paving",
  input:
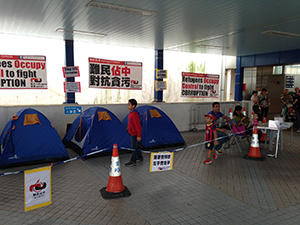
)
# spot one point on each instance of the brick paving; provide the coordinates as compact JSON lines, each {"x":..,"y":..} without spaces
{"x":231,"y":190}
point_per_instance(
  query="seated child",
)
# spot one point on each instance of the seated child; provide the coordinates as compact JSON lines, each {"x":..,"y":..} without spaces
{"x":255,"y":120}
{"x":211,"y":135}
{"x":255,"y":124}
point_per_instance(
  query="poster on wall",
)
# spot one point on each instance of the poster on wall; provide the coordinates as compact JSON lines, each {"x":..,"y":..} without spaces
{"x":161,"y":74}
{"x":71,"y":87}
{"x":23,"y":72}
{"x":198,"y":85}
{"x":289,"y":82}
{"x":113,"y":74}
{"x":71,"y":71}
{"x":160,"y":85}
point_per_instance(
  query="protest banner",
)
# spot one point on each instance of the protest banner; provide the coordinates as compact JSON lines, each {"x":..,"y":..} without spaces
{"x":197,"y":85}
{"x":115,"y":74}
{"x":23,"y":72}
{"x":37,"y":188}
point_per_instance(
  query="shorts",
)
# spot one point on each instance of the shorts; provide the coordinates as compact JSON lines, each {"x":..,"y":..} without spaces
{"x":209,"y":146}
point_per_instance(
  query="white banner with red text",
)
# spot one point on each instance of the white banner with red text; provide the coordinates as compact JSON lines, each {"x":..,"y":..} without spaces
{"x":198,"y":85}
{"x":23,"y":72}
{"x":105,"y":73}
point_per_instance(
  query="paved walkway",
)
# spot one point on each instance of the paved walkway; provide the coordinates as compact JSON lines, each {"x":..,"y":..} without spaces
{"x":231,"y":190}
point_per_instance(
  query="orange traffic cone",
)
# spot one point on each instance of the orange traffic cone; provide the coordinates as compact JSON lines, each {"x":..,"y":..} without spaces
{"x":244,"y":111}
{"x":263,"y":135}
{"x":254,"y":152}
{"x":115,"y":187}
{"x":252,"y":114}
{"x":230,"y":113}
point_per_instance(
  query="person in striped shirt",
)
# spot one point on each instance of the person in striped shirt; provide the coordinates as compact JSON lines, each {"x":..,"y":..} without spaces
{"x":210,"y":138}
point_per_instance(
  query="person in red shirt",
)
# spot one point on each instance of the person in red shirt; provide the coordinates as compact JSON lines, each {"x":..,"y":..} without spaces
{"x":135,"y":131}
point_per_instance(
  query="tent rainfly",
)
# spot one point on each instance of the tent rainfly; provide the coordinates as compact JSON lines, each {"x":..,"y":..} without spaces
{"x":29,"y":138}
{"x":158,"y":130}
{"x":95,"y":129}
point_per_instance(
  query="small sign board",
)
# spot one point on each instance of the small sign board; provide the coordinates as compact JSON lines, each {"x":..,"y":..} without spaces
{"x":161,"y":161}
{"x":71,"y":87}
{"x":160,"y":85}
{"x":161,"y":74}
{"x":71,"y":71}
{"x":73,"y":110}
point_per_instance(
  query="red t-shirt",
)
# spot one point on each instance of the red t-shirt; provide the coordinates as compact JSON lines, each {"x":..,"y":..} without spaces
{"x":134,"y":125}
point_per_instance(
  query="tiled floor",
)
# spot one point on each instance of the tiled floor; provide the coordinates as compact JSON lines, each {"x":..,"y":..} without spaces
{"x":231,"y":190}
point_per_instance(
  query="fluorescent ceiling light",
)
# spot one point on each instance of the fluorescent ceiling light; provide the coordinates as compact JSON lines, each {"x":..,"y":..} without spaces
{"x":81,"y":32}
{"x":212,"y":47}
{"x":280,"y":33}
{"x":119,"y":8}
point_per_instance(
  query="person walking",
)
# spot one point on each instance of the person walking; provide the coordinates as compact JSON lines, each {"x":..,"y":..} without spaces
{"x":135,"y":131}
{"x":210,"y":138}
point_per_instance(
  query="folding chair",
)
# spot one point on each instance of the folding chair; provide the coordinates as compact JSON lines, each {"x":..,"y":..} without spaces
{"x":238,"y":136}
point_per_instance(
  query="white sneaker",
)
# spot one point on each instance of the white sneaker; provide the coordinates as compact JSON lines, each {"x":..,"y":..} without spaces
{"x":298,"y":131}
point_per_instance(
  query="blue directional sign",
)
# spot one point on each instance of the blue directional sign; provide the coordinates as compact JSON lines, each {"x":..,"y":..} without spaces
{"x":73,"y":110}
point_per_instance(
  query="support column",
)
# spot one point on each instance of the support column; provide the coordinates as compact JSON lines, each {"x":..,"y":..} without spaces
{"x":239,"y":80}
{"x":69,"y":53}
{"x":222,"y":79}
{"x":159,"y":64}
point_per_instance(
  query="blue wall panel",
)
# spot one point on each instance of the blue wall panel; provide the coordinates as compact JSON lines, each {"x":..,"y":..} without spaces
{"x":274,"y":58}
{"x":267,"y":59}
{"x":290,"y":57}
{"x":248,"y":61}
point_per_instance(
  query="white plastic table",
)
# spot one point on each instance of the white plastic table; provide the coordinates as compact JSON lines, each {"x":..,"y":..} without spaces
{"x":282,"y":126}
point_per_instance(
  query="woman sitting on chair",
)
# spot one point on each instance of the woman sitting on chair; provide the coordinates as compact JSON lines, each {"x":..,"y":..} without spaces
{"x":240,"y":118}
{"x":242,"y":122}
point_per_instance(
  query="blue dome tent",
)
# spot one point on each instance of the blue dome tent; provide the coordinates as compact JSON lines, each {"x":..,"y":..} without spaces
{"x":158,"y":130}
{"x":28,"y":138}
{"x":95,"y":129}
